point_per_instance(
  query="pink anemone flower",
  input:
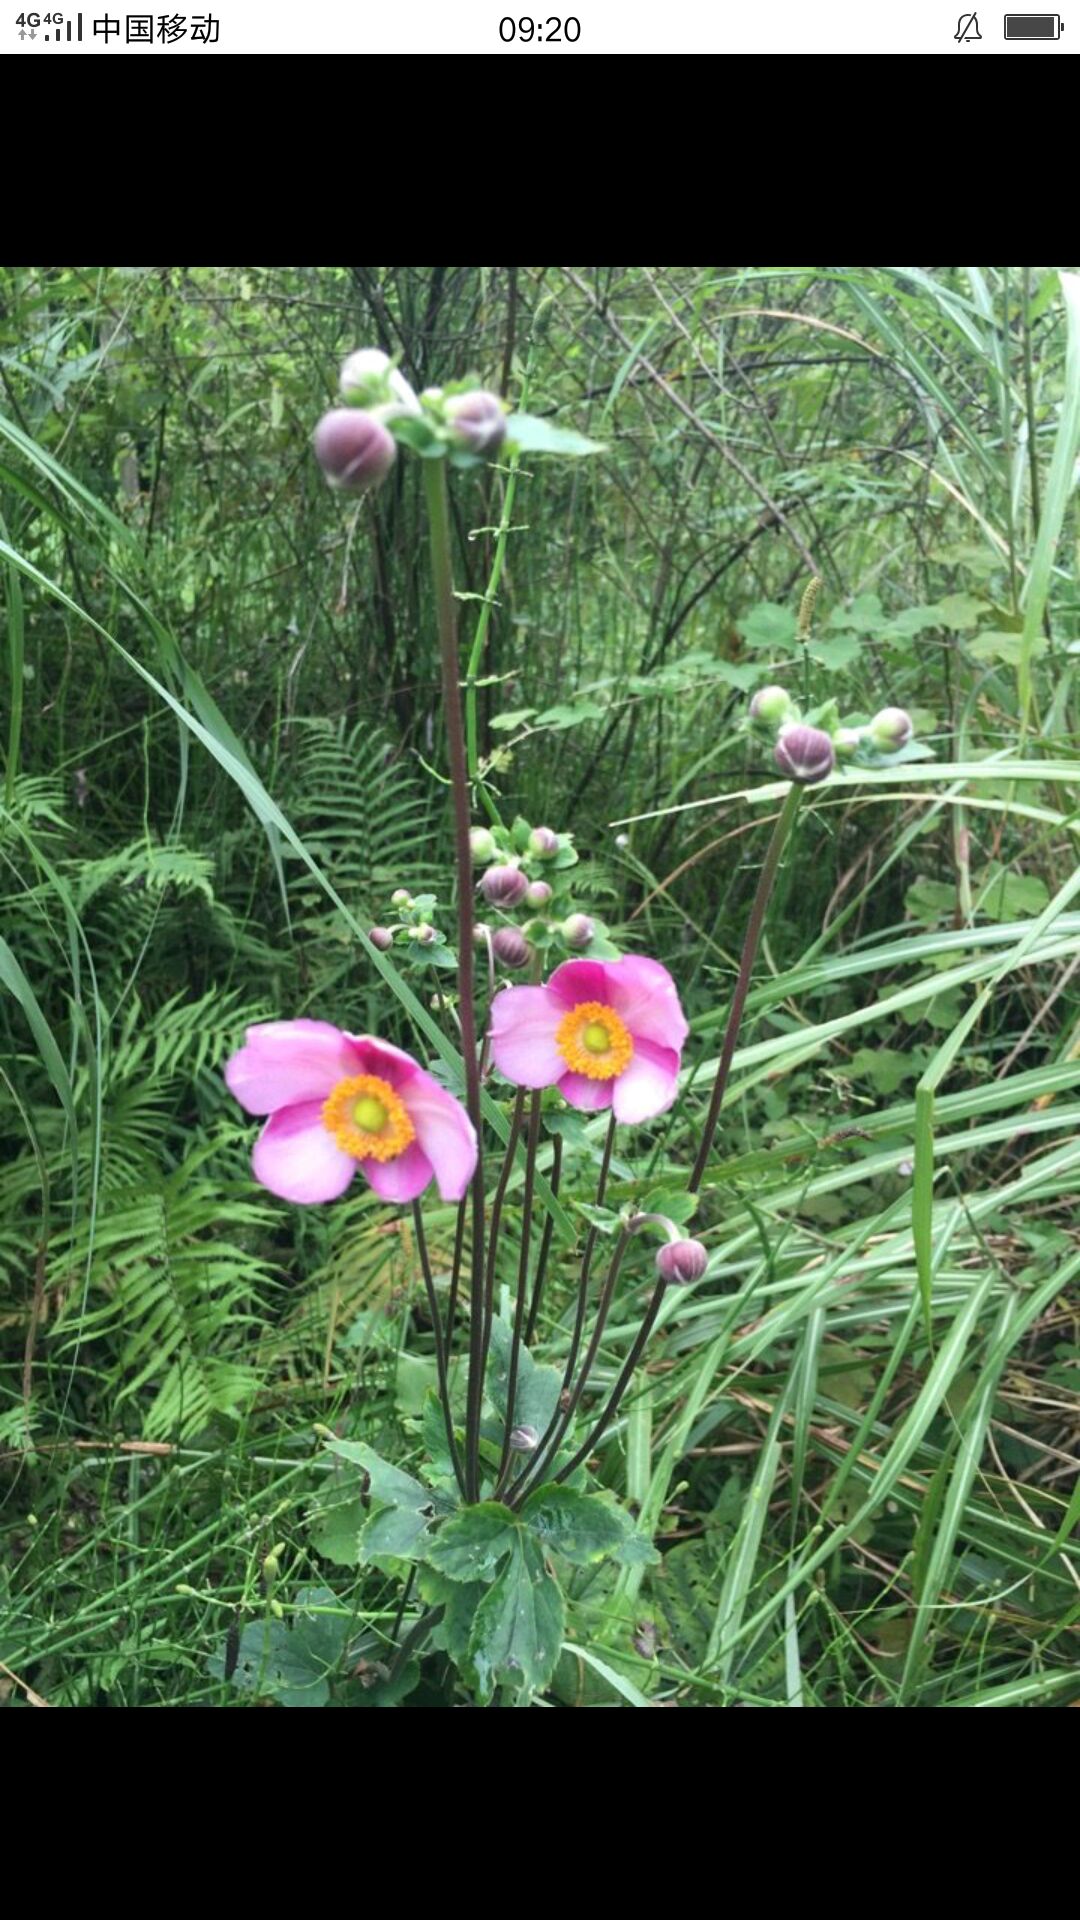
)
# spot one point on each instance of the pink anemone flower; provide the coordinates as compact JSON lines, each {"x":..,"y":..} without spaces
{"x":338,"y":1101}
{"x":605,"y":1032}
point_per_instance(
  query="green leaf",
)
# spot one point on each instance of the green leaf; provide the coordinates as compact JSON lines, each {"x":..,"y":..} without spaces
{"x":562,"y":717}
{"x":335,"y":1531}
{"x":400,"y":1529}
{"x":885,"y":1067}
{"x":532,"y":435}
{"x":993,"y":644}
{"x":584,"y":1528}
{"x":518,"y":1629}
{"x":835,"y":653}
{"x":470,"y":1546}
{"x":1004,"y":895}
{"x":930,"y":900}
{"x":507,"y":722}
{"x":768,"y":626}
{"x":290,"y":1664}
{"x":459,"y":1604}
{"x":602,"y":1218}
{"x":865,"y":614}
{"x":386,"y":1483}
{"x":538,"y":1388}
{"x":395,"y":1533}
{"x":417,"y":1374}
{"x":959,"y":611}
{"x":678,"y":1206}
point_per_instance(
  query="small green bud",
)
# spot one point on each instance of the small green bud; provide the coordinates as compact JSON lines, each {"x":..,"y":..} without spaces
{"x":482,"y":845}
{"x":772,"y":706}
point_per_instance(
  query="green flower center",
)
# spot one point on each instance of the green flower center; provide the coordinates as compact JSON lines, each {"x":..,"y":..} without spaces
{"x":369,"y":1114}
{"x":596,"y":1038}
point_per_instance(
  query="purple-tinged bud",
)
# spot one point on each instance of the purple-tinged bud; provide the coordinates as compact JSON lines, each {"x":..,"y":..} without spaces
{"x":424,"y":933}
{"x":524,"y":1439}
{"x":478,"y":420}
{"x":482,"y":845}
{"x":382,"y":938}
{"x":578,"y":930}
{"x":682,"y":1261}
{"x":537,"y":893}
{"x":890,"y":729}
{"x":511,"y":947}
{"x":368,"y":379}
{"x":504,"y":886}
{"x":804,"y":754}
{"x":646,"y":1639}
{"x":772,"y":706}
{"x":544,"y":842}
{"x":354,"y":451}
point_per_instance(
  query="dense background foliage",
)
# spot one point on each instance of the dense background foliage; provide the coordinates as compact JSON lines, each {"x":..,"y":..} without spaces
{"x":224,"y":750}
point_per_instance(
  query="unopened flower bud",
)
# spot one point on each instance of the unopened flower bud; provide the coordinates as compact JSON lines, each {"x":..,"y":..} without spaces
{"x":478,"y":420}
{"x":480,"y":934}
{"x":511,"y":947}
{"x":544,"y":842}
{"x":537,"y":894}
{"x":890,"y":729}
{"x":482,"y":845}
{"x":577,"y":930}
{"x":504,"y":886}
{"x":848,"y":740}
{"x":368,"y":379}
{"x":354,"y":451}
{"x":622,"y":841}
{"x":401,"y":897}
{"x":382,"y":938}
{"x":424,"y":933}
{"x":524,"y":1439}
{"x":804,"y":754}
{"x":682,"y":1261}
{"x":772,"y":706}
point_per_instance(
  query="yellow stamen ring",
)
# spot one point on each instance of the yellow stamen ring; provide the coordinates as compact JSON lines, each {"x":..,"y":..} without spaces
{"x":368,"y":1119}
{"x":593,"y":1041}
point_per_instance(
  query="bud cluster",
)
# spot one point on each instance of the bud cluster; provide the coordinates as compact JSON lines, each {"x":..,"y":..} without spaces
{"x":415,"y":929}
{"x":526,"y":870}
{"x":356,"y":442}
{"x":806,"y":748}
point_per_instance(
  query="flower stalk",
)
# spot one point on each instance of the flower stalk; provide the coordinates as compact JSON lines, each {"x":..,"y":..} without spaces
{"x":785,"y":820}
{"x":435,"y":491}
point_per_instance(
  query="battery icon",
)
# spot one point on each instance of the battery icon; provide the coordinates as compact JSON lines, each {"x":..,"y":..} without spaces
{"x":1033,"y":26}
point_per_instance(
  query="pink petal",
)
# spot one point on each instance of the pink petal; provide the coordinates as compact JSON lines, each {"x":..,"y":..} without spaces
{"x":298,"y":1160}
{"x":401,"y":1179}
{"x":649,"y":1084}
{"x":578,"y":980}
{"x":379,"y":1057}
{"x":524,"y":1021}
{"x":287,"y":1062}
{"x":587,"y":1094}
{"x":444,"y":1131}
{"x":645,"y":996}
